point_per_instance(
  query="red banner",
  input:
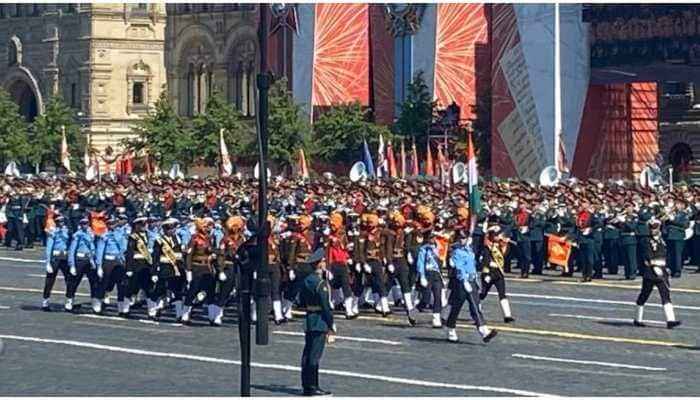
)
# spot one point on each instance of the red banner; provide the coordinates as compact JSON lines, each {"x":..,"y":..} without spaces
{"x":559,"y":250}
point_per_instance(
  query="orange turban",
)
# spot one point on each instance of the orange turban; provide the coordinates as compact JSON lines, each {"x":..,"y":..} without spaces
{"x":463,"y":212}
{"x":397,"y":218}
{"x":304,"y":221}
{"x":235,"y":224}
{"x":336,"y":221}
{"x":371,"y":219}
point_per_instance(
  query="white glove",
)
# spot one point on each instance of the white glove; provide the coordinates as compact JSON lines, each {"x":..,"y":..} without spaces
{"x":100,"y":272}
{"x":452,"y":263}
{"x":358,"y":267}
{"x":349,"y":262}
{"x":292,"y":275}
{"x":73,"y":271}
{"x":49,"y":268}
{"x":326,"y":232}
{"x":409,"y":258}
{"x":423,"y":282}
{"x":222,"y":277}
{"x":384,"y":260}
{"x":129,"y":273}
{"x":188,"y":276}
{"x":391,"y":268}
{"x":467,"y":286}
{"x":658,"y":271}
{"x":367,"y":268}
{"x":329,"y":275}
{"x":487,"y":278}
{"x":154,"y":278}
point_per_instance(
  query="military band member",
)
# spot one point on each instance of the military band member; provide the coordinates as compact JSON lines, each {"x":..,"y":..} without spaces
{"x":537,"y":240}
{"x":56,"y":255}
{"x":611,"y":241}
{"x":168,"y":260}
{"x":628,"y":241}
{"x":655,"y":273}
{"x":276,"y":271}
{"x":394,"y":247}
{"x":464,"y":286}
{"x":140,"y":273}
{"x":110,"y":258}
{"x":585,"y":242}
{"x":676,"y":225}
{"x":523,"y":221}
{"x":493,"y":258}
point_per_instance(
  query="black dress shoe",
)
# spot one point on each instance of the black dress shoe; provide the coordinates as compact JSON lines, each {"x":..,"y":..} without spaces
{"x":411,"y":321}
{"x":676,"y":275}
{"x":639,"y":324}
{"x":279,"y":322}
{"x":672,"y":324}
{"x":46,"y":309}
{"x":316,"y":392}
{"x":508,"y":320}
{"x":524,"y":276}
{"x":353,"y":316}
{"x":490,"y":336}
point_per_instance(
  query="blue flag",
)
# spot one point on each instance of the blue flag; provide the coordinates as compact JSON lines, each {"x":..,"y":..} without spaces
{"x":367,"y":159}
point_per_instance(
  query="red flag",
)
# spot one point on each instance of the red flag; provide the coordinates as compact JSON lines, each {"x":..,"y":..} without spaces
{"x":392,"y":161}
{"x":429,"y":162}
{"x":559,"y":250}
{"x":414,"y":161}
{"x":403,"y":160}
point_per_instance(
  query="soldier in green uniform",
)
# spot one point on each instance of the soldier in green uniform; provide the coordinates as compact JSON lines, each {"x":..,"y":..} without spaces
{"x":675,"y":238}
{"x":628,"y":241}
{"x":611,"y":242}
{"x":537,"y":239}
{"x":318,"y":324}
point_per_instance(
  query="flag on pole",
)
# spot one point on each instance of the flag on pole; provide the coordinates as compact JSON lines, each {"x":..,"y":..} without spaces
{"x":392,"y":161}
{"x":403,"y":161}
{"x":382,"y":167}
{"x":367,"y":159}
{"x":429,"y":163}
{"x":226,"y":166}
{"x":414,"y":161}
{"x":562,"y":166}
{"x":473,"y":171}
{"x":86,"y":158}
{"x":65,"y":155}
{"x":301,"y":164}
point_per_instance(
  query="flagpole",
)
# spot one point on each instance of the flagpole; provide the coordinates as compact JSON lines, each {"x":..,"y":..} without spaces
{"x":557,"y":86}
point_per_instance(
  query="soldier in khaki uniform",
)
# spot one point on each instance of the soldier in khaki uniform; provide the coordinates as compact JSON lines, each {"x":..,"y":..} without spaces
{"x":394,"y":246}
{"x":302,"y":244}
{"x":368,"y":253}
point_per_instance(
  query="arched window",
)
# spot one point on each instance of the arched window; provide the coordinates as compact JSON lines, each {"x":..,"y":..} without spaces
{"x":241,"y":78}
{"x":138,"y":87}
{"x":190,"y":91}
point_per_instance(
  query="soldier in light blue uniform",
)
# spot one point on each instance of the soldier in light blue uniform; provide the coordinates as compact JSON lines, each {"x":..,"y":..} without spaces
{"x":81,"y":262}
{"x":153,"y":233}
{"x":56,"y":255}
{"x":218,"y":231}
{"x":464,"y":286}
{"x":110,"y":260}
{"x":428,"y":268}
{"x":184,"y":231}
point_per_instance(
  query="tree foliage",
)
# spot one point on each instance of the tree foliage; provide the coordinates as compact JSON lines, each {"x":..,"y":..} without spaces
{"x":14,"y":139}
{"x":339,"y":133}
{"x":417,"y":112}
{"x":288,"y":127}
{"x":481,"y":128}
{"x":162,"y":132}
{"x":45,"y":135}
{"x":205,"y":131}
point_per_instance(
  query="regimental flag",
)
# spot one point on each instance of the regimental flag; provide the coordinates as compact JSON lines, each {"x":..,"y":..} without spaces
{"x":414,"y":161}
{"x":563,"y":166}
{"x":473,"y":173}
{"x":559,"y":251}
{"x":65,"y":155}
{"x":86,"y":159}
{"x":392,"y":161}
{"x":429,"y":162}
{"x":382,"y":164}
{"x":301,"y":164}
{"x":226,"y":165}
{"x":367,"y":159}
{"x":403,"y":160}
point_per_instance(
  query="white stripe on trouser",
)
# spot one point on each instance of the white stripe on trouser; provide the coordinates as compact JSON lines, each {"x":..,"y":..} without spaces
{"x":669,"y":313}
{"x":505,"y":307}
{"x":640,"y":313}
{"x":253,"y":311}
{"x":277,"y":309}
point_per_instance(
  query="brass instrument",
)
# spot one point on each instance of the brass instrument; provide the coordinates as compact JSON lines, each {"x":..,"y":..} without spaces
{"x":142,"y":247}
{"x":169,"y":254}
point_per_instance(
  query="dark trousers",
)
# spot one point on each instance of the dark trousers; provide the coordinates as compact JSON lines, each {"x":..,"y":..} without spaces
{"x":695,"y":250}
{"x":378,"y":278}
{"x":477,"y":244}
{"x":58,"y":264}
{"x":586,"y":259}
{"x":537,"y":256}
{"x":314,"y":342}
{"x":458,"y":295}
{"x":83,"y":267}
{"x":167,"y":280}
{"x":15,"y":230}
{"x":113,"y":275}
{"x":202,"y":280}
{"x":674,"y":254}
{"x":629,"y":253}
{"x":497,"y":279}
{"x":611,"y":255}
{"x":140,"y":280}
{"x":402,"y":274}
{"x":642,"y":246}
{"x":524,"y":256}
{"x":225,"y":288}
{"x":276,"y":281}
{"x":598,"y":258}
{"x":435,"y":286}
{"x":648,"y":284}
{"x":341,"y":279}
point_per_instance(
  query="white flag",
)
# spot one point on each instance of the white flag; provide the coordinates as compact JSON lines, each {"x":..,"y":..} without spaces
{"x":226,"y":166}
{"x":65,"y":155}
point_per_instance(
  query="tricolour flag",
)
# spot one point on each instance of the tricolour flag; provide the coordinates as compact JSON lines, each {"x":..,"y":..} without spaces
{"x":301,"y":164}
{"x":392,"y":161}
{"x":382,"y":165}
{"x":226,"y":166}
{"x":367,"y":159}
{"x":65,"y":155}
{"x":403,"y":161}
{"x":429,"y":162}
{"x":414,"y":161}
{"x":473,"y":173}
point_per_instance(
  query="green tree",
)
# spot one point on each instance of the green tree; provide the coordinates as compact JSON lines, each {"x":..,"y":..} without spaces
{"x":163,"y":132}
{"x":481,"y":129}
{"x":417,"y":112}
{"x":205,"y":131}
{"x":339,"y":132}
{"x":14,"y":139}
{"x":289,"y":128}
{"x":45,"y":135}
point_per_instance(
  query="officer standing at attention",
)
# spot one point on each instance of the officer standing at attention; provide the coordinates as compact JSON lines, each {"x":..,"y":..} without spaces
{"x":318,"y":323}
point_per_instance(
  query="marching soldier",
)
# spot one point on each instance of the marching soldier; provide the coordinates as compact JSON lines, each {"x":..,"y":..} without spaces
{"x":628,"y":241}
{"x":302,"y":243}
{"x":56,"y":254}
{"x":319,"y":327}
{"x":675,"y":237}
{"x":394,"y":247}
{"x":199,"y":273}
{"x":227,"y":262}
{"x":276,"y":271}
{"x":339,"y":258}
{"x":523,"y":221}
{"x":493,"y":258}
{"x":110,"y":259}
{"x":80,"y":263}
{"x":140,"y":274}
{"x":428,"y":266}
{"x":167,"y":260}
{"x":368,"y":253}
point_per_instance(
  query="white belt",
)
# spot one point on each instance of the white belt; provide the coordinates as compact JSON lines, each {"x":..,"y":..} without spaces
{"x":58,"y":252}
{"x":178,"y":256}
{"x":82,"y":255}
{"x":121,"y":209}
{"x":110,"y":258}
{"x":524,"y":229}
{"x":139,"y":257}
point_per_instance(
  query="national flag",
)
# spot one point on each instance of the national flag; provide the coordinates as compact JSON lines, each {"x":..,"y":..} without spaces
{"x":226,"y":166}
{"x":301,"y":164}
{"x":65,"y":155}
{"x":403,"y":161}
{"x":473,"y":173}
{"x":367,"y":159}
{"x":382,"y":165}
{"x":414,"y":161}
{"x":563,"y":166}
{"x":392,"y":161}
{"x":429,"y":162}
